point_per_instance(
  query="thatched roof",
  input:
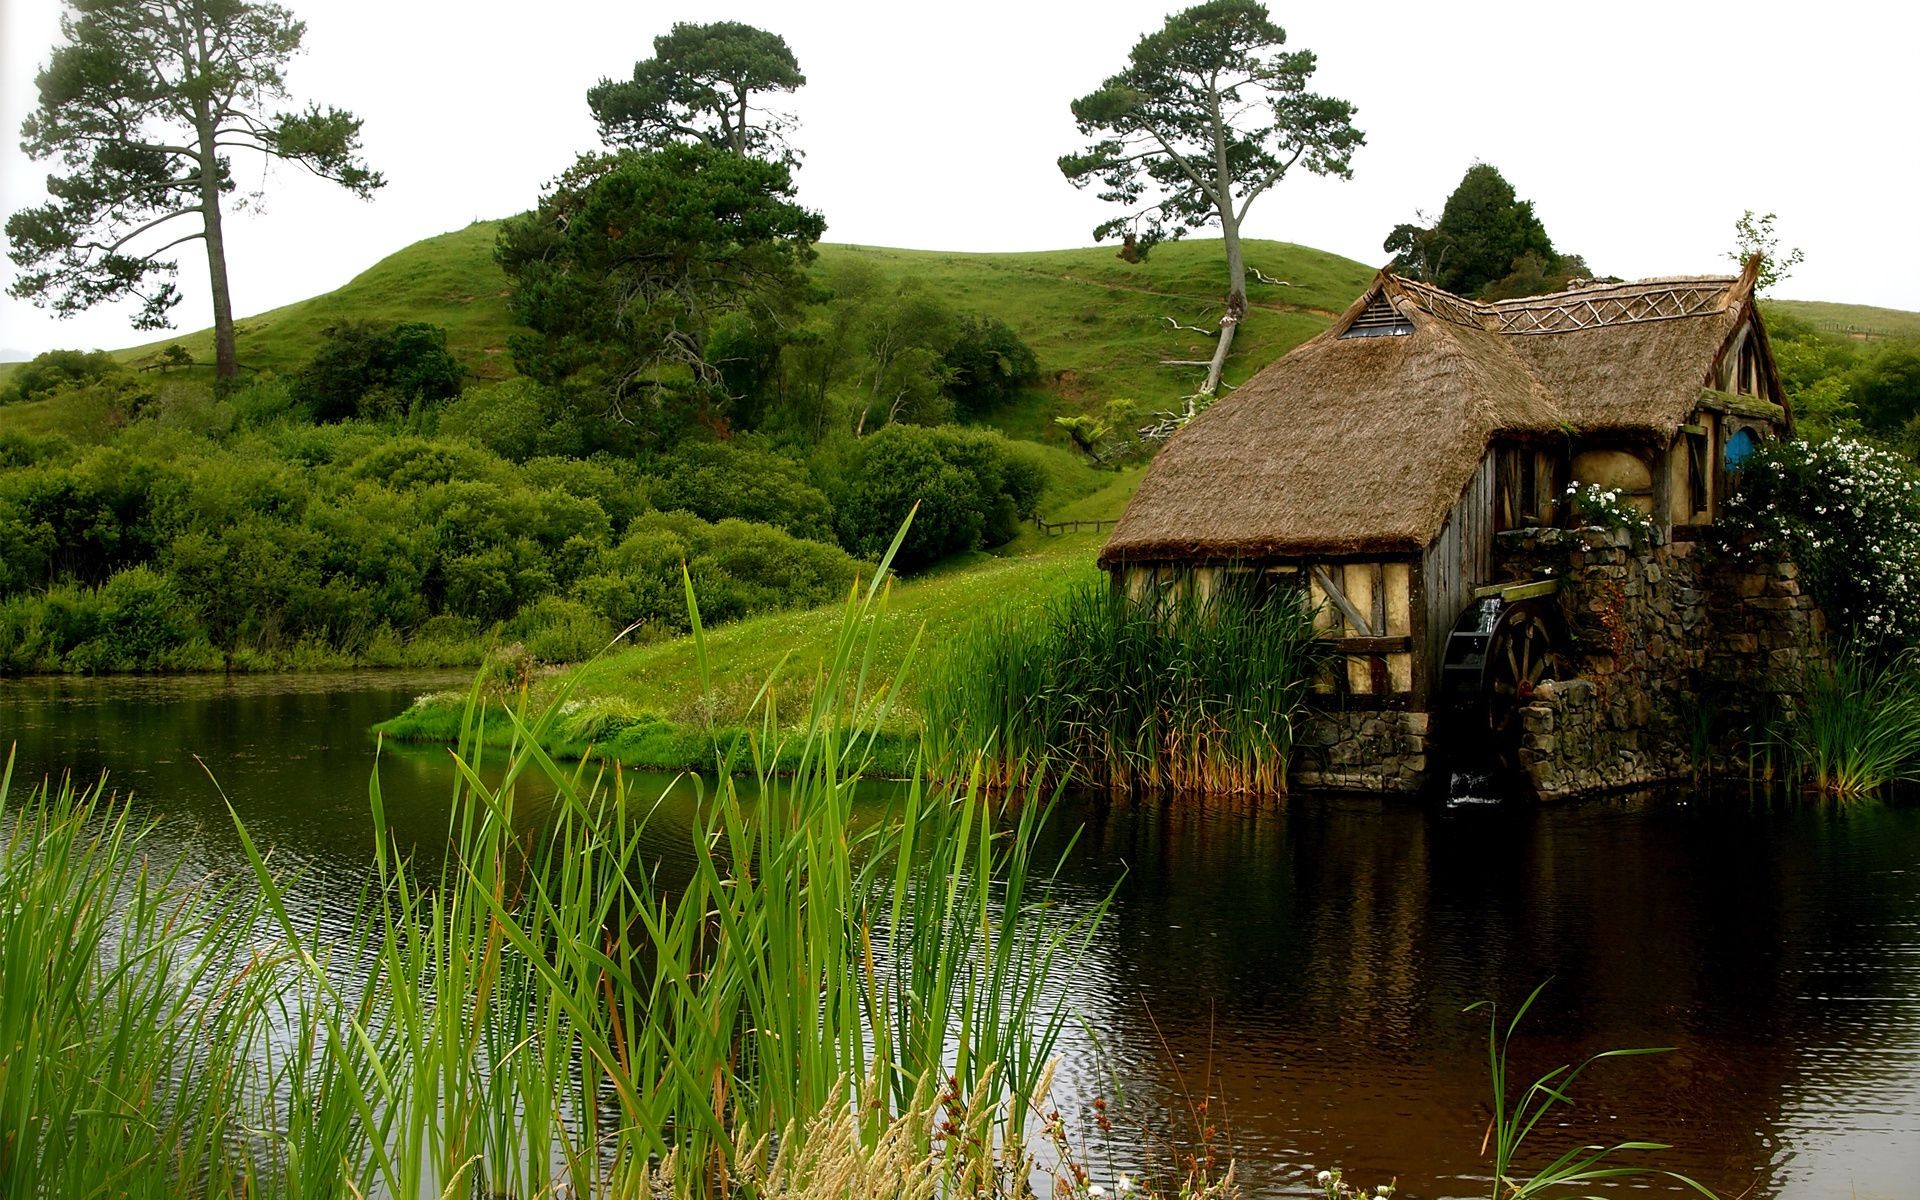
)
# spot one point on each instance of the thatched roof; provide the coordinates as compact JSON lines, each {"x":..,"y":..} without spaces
{"x":1352,"y":445}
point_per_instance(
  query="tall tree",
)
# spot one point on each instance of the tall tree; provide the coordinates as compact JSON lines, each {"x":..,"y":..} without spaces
{"x":704,"y":84}
{"x":1208,"y":114}
{"x":144,"y":103}
{"x":631,"y":260}
{"x":1488,"y":243}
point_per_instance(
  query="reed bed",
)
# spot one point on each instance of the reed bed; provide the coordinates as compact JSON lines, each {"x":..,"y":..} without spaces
{"x":548,"y":1015}
{"x":1858,"y":726}
{"x":1199,"y":695}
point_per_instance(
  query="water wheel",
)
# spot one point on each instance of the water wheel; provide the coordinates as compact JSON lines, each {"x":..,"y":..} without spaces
{"x":1522,"y":654}
{"x":1498,"y":655}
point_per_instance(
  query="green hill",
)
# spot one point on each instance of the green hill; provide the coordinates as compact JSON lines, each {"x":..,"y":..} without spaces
{"x":1860,"y":321}
{"x":1100,"y":326}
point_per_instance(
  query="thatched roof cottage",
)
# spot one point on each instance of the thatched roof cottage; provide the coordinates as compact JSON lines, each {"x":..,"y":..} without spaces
{"x":1374,"y":466}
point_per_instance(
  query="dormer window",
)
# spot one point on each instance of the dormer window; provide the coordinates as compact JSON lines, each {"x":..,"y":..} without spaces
{"x":1380,"y":319}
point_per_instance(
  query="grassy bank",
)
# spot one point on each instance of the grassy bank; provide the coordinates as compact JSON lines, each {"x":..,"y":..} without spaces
{"x":648,"y":705}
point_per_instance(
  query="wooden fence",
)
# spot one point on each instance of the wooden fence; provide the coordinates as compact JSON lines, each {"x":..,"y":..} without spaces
{"x":1055,"y":528}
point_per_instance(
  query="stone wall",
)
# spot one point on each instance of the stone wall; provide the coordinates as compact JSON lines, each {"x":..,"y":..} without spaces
{"x":1361,"y":750}
{"x":1678,"y":656}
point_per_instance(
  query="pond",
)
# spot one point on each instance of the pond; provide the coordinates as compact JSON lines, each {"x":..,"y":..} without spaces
{"x":1303,"y":964}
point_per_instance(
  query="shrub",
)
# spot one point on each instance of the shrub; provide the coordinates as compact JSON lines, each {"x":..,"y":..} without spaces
{"x":1849,"y":515}
{"x":362,"y":370}
{"x":987,"y":364}
{"x":507,"y":418}
{"x":718,"y":480}
{"x":738,"y":568}
{"x":972,"y":491}
{"x":59,"y":370}
{"x":557,"y":630}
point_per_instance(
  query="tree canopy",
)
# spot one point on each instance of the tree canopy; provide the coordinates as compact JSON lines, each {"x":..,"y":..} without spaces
{"x":706,"y":84}
{"x":144,"y":104}
{"x":1488,"y":243}
{"x":631,"y":259}
{"x":1208,"y":114}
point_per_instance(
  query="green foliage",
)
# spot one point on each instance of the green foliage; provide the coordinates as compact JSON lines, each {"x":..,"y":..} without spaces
{"x":56,"y":371}
{"x":1514,"y":1123}
{"x":1754,"y":235}
{"x":365,"y":371}
{"x":1849,"y":515}
{"x":987,"y":364}
{"x":738,"y":568}
{"x":717,"y":480}
{"x":164,"y":550}
{"x":1160,"y":147}
{"x":1487,"y":243}
{"x":630,"y":260}
{"x":543,"y":1016}
{"x":964,"y":488}
{"x":1187,"y":694}
{"x":704,"y":83}
{"x":148,"y":103}
{"x":1858,"y":725}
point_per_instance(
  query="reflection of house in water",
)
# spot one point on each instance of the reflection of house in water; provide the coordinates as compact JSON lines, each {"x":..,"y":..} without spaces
{"x":1408,"y":471}
{"x":1307,"y":963}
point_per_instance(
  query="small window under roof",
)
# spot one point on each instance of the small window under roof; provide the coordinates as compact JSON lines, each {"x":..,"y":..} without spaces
{"x":1380,"y":319}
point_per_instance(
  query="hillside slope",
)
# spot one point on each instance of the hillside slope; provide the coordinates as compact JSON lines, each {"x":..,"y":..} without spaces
{"x":1100,"y":326}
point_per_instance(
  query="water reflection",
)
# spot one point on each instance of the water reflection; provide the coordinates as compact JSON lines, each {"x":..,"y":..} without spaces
{"x":1303,"y":963}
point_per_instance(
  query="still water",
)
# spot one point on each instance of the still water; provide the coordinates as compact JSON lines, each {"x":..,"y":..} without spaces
{"x":1302,"y":967}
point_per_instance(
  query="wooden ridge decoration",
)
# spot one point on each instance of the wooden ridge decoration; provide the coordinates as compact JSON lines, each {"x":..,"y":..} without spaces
{"x":1665,"y":304}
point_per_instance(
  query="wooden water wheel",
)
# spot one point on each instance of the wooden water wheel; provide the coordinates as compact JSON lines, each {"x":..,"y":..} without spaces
{"x":1498,"y":654}
{"x":1522,"y":654}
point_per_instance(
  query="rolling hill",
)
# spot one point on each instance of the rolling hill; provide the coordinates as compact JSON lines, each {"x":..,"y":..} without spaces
{"x":1100,"y":326}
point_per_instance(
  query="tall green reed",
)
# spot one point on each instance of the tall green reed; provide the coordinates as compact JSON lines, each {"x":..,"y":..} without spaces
{"x":1858,"y":726}
{"x":1200,"y":694}
{"x":552,"y":1010}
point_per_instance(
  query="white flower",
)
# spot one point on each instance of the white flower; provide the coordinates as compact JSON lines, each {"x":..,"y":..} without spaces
{"x":1324,"y":1177}
{"x":1124,"y":1184}
{"x":1096,"y":1190}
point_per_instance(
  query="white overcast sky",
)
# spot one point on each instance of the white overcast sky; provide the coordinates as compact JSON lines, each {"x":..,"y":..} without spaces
{"x":1639,"y":130}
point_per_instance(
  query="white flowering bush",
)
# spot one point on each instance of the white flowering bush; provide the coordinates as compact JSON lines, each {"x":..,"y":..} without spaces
{"x":1849,"y":515}
{"x":1607,"y":508}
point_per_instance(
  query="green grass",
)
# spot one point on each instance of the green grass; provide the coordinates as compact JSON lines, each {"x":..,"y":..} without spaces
{"x":1197,"y":695}
{"x":649,"y":706}
{"x":544,"y":1015}
{"x":1097,"y":324}
{"x":1837,"y":319}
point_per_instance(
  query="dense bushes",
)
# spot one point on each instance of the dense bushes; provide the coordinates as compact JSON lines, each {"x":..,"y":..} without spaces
{"x":164,"y":550}
{"x":364,"y":371}
{"x":972,"y":489}
{"x":720,"y":480}
{"x":57,"y":369}
{"x":987,"y":364}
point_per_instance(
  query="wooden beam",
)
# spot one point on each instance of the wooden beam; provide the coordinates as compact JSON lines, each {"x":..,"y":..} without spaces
{"x":1357,"y":646}
{"x":1340,"y":601}
{"x":1511,"y":592}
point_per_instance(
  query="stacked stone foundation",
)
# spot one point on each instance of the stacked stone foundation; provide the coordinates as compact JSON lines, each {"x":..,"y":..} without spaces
{"x":1680,"y":657}
{"x":1677,"y":659}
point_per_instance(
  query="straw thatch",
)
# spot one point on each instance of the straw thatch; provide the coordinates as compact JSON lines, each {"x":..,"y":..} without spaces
{"x":1362,"y":445}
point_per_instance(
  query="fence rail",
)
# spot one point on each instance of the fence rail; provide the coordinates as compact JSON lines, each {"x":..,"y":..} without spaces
{"x":1056,"y":528}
